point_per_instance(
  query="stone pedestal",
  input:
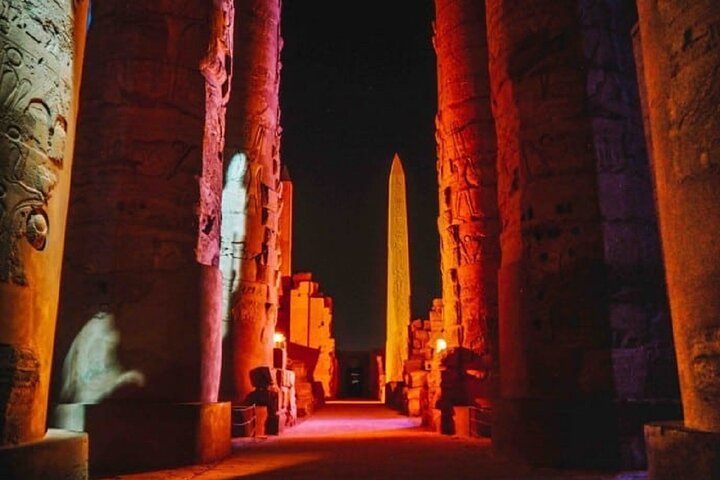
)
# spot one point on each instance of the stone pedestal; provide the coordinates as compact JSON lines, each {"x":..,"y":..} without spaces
{"x":136,"y":436}
{"x":60,"y":455}
{"x":546,"y":432}
{"x":676,"y":452}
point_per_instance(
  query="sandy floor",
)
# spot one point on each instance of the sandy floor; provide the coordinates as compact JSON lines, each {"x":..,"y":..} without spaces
{"x":366,"y":441}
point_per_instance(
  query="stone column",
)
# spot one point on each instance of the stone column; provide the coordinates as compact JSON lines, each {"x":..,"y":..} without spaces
{"x":643,"y":357}
{"x":138,"y":348}
{"x":681,"y":57}
{"x":254,"y":131}
{"x":41,"y":49}
{"x":556,"y":385}
{"x":467,"y":178}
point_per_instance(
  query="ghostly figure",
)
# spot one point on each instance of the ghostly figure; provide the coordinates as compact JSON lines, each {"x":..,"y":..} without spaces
{"x":91,"y":370}
{"x":232,"y":230}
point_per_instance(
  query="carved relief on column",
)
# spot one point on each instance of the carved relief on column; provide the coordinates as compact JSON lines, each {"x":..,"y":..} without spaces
{"x":466,"y":166}
{"x":41,"y":45}
{"x":254,"y":130}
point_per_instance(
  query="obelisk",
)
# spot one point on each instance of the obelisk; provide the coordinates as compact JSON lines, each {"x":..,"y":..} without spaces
{"x":398,"y":276}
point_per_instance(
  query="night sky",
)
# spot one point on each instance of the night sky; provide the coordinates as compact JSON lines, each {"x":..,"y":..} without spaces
{"x":359,"y":84}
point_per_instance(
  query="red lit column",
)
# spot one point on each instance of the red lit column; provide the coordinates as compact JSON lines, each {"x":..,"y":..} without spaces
{"x":41,"y":50}
{"x":138,"y":348}
{"x":556,"y":384}
{"x":680,"y":44}
{"x":467,"y":178}
{"x":254,"y":131}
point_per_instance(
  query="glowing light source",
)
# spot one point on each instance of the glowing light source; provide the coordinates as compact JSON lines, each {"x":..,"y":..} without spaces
{"x":279,"y":337}
{"x":440,"y":345}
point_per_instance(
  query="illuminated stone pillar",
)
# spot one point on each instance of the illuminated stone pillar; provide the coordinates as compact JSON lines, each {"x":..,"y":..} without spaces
{"x":286,"y":218}
{"x":467,"y":178}
{"x":254,"y":130}
{"x":555,"y":405}
{"x":41,"y":47}
{"x":138,"y":350}
{"x":398,"y":276}
{"x":681,"y":58}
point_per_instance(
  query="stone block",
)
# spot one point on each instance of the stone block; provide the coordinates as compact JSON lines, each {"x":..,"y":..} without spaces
{"x":133,"y":436}
{"x":675,"y":452}
{"x":417,"y":378}
{"x":60,"y":455}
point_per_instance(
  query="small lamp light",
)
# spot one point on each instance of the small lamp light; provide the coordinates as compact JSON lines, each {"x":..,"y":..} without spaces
{"x":278,"y":337}
{"x":440,"y":345}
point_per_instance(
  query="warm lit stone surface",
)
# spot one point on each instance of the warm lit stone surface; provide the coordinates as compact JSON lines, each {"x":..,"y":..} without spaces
{"x":554,"y":330}
{"x":351,"y":441}
{"x":467,"y":179}
{"x":139,"y":325}
{"x":41,"y":51}
{"x":681,"y":58}
{"x":253,"y":129}
{"x":140,"y":313}
{"x":59,"y":455}
{"x":398,"y":276}
{"x":134,"y":436}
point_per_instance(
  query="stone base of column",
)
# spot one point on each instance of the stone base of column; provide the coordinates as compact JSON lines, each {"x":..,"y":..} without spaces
{"x":675,"y":452}
{"x":136,"y":436}
{"x":557,"y":433}
{"x":60,"y":455}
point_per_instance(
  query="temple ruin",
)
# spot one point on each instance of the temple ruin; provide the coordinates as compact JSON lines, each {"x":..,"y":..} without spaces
{"x":151,"y":313}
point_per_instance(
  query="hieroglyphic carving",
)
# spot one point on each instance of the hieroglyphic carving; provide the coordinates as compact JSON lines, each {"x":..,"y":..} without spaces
{"x":35,"y":85}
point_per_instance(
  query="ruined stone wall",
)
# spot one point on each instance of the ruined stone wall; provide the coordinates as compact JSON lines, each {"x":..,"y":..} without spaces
{"x":467,"y":177}
{"x":253,"y":129}
{"x":41,"y":52}
{"x":140,"y":302}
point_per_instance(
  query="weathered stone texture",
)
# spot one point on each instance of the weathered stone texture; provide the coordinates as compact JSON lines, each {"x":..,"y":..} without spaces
{"x":253,"y":129}
{"x":467,"y":151}
{"x":554,"y":333}
{"x":398,"y":276}
{"x":638,"y":309}
{"x":681,"y":57}
{"x":41,"y":49}
{"x":144,"y":227}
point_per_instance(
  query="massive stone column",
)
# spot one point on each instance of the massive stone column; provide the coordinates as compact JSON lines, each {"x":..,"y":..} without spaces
{"x":469,"y":225}
{"x":643,"y":367}
{"x":398,"y":276}
{"x":41,"y":52}
{"x":681,"y":57}
{"x":138,"y":347}
{"x":556,"y":384}
{"x":254,"y":131}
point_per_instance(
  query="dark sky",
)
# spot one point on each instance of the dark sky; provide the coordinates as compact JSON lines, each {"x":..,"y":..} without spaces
{"x":359,"y":84}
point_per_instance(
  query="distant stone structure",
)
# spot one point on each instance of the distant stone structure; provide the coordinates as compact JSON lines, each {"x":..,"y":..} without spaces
{"x":398,"y":278}
{"x":311,"y":326}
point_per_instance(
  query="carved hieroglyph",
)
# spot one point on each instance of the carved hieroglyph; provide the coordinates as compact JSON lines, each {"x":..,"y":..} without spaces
{"x":253,"y":129}
{"x":466,"y":148}
{"x":40,"y":48}
{"x":551,"y":283}
{"x":35,"y":99}
{"x":398,"y":276}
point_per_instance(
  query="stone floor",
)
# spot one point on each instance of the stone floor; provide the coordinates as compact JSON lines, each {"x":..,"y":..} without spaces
{"x":350,"y":440}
